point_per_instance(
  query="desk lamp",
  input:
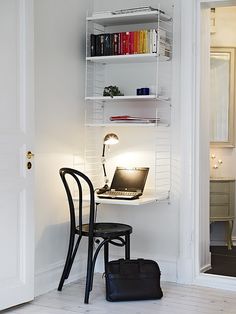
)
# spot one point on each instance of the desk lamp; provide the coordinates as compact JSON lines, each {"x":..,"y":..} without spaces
{"x":109,"y":139}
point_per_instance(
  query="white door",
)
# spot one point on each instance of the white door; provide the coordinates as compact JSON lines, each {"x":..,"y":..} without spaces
{"x":16,"y":134}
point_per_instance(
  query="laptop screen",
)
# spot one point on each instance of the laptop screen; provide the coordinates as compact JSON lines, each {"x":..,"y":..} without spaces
{"x":132,"y":179}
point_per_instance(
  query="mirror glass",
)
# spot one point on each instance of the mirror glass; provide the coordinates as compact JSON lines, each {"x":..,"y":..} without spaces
{"x":222,"y":97}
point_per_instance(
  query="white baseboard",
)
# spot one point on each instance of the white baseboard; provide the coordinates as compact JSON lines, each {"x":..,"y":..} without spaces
{"x":216,"y":281}
{"x":222,"y":242}
{"x":234,"y":241}
{"x":48,"y":279}
{"x":218,"y":243}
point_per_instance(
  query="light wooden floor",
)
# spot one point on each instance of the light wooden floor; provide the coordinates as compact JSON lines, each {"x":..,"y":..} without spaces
{"x":178,"y":299}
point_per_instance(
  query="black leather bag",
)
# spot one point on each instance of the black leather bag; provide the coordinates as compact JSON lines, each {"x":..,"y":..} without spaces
{"x":129,"y":280}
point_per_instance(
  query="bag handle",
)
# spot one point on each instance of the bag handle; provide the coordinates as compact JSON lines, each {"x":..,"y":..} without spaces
{"x":122,"y":261}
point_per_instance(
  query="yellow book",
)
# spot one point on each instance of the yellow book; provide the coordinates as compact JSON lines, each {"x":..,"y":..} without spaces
{"x":141,"y":41}
{"x":136,"y":41}
{"x":144,"y":41}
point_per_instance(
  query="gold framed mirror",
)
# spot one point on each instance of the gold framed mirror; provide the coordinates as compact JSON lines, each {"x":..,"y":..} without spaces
{"x":222,"y":96}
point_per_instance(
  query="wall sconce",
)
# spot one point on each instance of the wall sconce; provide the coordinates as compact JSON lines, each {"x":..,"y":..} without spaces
{"x":109,"y":139}
{"x":215,"y":163}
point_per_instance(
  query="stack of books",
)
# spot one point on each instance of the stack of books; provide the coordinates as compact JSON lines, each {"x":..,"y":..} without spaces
{"x":131,"y":119}
{"x":138,"y":42}
{"x":136,"y":10}
{"x":127,"y":11}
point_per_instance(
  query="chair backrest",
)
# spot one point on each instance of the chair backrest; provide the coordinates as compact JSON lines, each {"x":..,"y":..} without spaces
{"x":79,"y":178}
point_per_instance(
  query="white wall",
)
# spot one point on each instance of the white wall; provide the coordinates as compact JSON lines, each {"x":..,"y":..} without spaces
{"x":59,"y":94}
{"x":224,"y":37}
{"x":59,"y":71}
{"x":155,"y":226}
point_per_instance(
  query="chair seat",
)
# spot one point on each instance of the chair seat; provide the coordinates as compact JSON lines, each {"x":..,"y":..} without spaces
{"x":107,"y":229}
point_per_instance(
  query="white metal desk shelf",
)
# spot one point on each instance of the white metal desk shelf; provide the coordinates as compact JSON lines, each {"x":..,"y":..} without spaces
{"x":144,"y":199}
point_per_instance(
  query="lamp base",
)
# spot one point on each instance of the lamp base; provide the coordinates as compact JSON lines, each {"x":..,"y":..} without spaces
{"x":103,"y":189}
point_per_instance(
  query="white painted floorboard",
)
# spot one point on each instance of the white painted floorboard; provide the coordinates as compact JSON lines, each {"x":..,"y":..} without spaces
{"x":177,"y":299}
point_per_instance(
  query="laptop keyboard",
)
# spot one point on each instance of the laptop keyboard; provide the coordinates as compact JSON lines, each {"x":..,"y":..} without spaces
{"x":119,"y":194}
{"x":123,"y":193}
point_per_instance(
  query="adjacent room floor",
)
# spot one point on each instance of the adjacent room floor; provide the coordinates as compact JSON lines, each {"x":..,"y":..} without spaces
{"x":178,"y":299}
{"x":223,"y":261}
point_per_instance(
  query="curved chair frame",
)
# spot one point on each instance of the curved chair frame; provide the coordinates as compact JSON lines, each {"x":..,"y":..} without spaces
{"x":77,"y":230}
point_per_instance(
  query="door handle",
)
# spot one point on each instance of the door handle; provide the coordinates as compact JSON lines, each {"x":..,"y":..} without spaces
{"x":29,"y":155}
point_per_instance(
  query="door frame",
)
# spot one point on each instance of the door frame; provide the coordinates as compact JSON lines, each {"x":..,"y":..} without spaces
{"x":191,"y":206}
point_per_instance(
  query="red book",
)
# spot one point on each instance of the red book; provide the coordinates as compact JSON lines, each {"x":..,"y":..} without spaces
{"x":123,"y":43}
{"x":119,"y":43}
{"x":131,"y":42}
{"x":127,"y":40}
{"x":136,"y":36}
{"x":113,"y":118}
{"x":134,"y":119}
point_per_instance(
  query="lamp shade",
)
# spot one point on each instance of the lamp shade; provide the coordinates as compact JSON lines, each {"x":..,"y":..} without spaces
{"x":111,"y":139}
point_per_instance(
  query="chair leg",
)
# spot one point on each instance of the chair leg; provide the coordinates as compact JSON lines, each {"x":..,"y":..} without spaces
{"x":127,"y":246}
{"x":89,"y":269}
{"x":103,"y":243}
{"x":68,"y":259}
{"x":73,"y":257}
{"x":106,"y":254}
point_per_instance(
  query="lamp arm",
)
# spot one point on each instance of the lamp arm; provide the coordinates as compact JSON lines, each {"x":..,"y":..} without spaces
{"x":103,"y":164}
{"x":105,"y":187}
{"x":103,"y":150}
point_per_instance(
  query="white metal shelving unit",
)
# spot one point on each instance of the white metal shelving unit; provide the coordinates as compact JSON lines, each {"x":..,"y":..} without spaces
{"x":151,"y":69}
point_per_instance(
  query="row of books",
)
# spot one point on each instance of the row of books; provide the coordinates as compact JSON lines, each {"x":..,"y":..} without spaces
{"x":138,"y":42}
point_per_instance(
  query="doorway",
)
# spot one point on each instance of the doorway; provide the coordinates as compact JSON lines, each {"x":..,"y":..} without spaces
{"x":205,"y":238}
{"x":222,"y":140}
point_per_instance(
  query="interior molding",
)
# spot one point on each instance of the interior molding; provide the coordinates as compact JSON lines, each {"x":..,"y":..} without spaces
{"x":187,"y":150}
{"x":205,"y":268}
{"x":48,"y":279}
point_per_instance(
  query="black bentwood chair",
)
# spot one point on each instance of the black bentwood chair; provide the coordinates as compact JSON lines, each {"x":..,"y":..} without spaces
{"x":109,"y":232}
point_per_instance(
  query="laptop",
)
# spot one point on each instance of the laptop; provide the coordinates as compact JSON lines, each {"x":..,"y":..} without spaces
{"x":127,"y":183}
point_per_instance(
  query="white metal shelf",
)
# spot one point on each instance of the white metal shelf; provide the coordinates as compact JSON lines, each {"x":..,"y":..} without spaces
{"x":145,"y":57}
{"x":128,"y":98}
{"x":127,"y":124}
{"x":129,"y":18}
{"x":119,"y":70}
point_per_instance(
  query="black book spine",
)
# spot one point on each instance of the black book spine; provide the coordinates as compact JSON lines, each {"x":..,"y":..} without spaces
{"x":119,"y":43}
{"x":101,"y":44}
{"x":112,"y":51}
{"x":93,"y":45}
{"x":107,"y":44}
{"x":115,"y":44}
{"x":97,"y":45}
